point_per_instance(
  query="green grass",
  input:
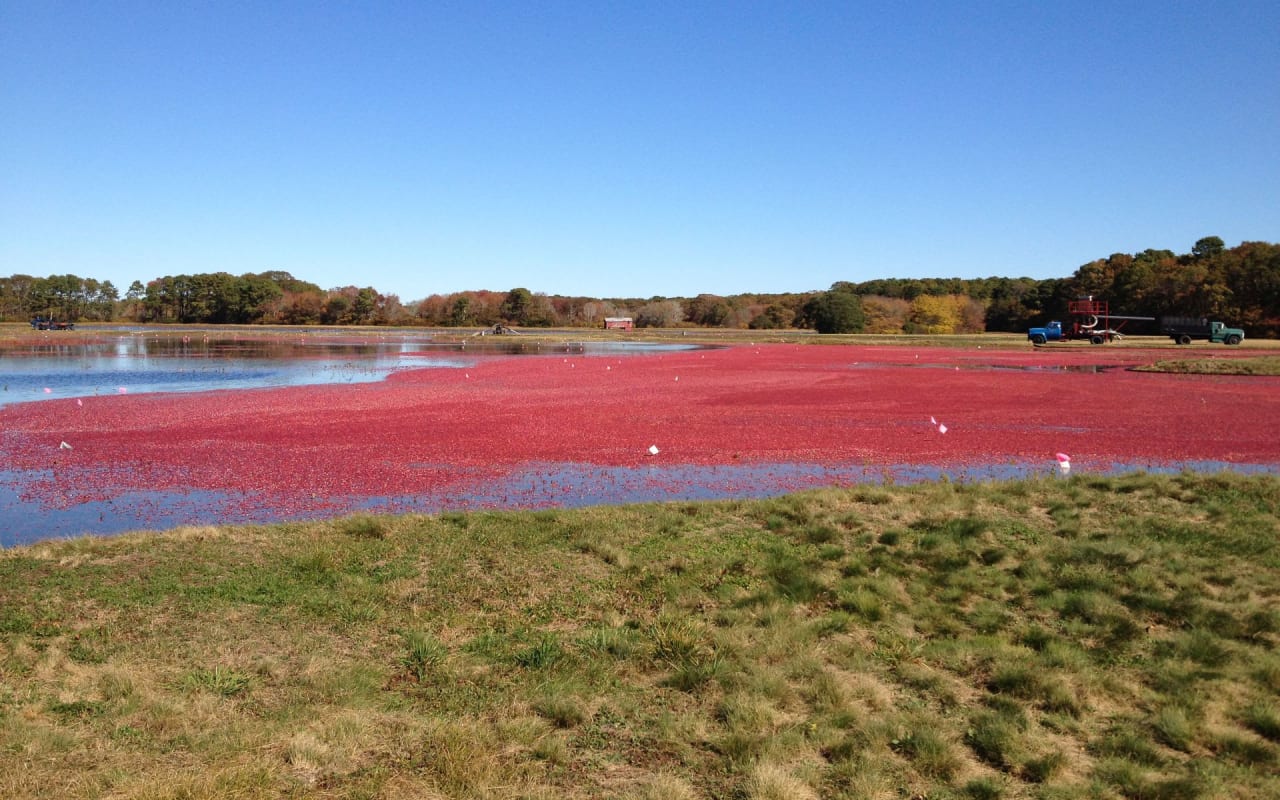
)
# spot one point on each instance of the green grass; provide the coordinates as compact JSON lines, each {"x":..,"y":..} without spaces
{"x":1080,"y":638}
{"x":1251,"y":365}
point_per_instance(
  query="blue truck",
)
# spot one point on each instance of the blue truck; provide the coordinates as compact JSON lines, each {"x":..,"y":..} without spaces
{"x":1054,"y":332}
{"x":1090,"y":319}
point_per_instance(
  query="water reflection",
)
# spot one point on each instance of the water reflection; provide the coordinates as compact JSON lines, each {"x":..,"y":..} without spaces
{"x":136,"y":363}
{"x":24,"y":520}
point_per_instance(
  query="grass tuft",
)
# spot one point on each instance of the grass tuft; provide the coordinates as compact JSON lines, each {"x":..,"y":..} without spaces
{"x":1263,"y":719}
{"x":423,"y":655}
{"x":929,"y":751}
{"x":1174,"y":727}
{"x":983,"y":789}
{"x":561,"y":709}
{"x":996,"y":738}
{"x":543,"y":653}
{"x":218,"y":680}
{"x":364,"y":526}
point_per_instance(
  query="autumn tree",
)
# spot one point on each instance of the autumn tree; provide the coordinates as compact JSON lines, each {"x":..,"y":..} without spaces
{"x":772,"y":317}
{"x":885,"y":314}
{"x":934,"y":314}
{"x":708,"y":310}
{"x":660,"y":314}
{"x":593,"y":312}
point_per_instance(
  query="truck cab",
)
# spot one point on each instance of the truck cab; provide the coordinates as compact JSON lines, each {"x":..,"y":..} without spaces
{"x":1219,"y":332}
{"x":1054,"y":332}
{"x":1049,"y":333}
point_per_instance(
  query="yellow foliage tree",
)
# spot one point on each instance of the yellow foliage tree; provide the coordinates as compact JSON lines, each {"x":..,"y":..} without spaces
{"x":935,"y":314}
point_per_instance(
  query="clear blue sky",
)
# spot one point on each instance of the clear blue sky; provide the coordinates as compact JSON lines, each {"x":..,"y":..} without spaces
{"x":629,"y":148}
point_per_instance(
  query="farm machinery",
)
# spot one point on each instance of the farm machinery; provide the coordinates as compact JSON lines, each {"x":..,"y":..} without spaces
{"x":46,"y":324}
{"x":1092,"y":320}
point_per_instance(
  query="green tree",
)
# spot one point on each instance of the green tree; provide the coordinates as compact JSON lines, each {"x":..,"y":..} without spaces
{"x":102,"y":302}
{"x":256,"y":296}
{"x":364,"y":306}
{"x":61,"y":297}
{"x":834,"y":312}
{"x":772,"y":317}
{"x":515,"y":309}
{"x":708,"y":310}
{"x":336,"y":309}
{"x":1208,"y":247}
{"x":460,"y":312}
{"x":1015,"y":304}
{"x":14,"y":292}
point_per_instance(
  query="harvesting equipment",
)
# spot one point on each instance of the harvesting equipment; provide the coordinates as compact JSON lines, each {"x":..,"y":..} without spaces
{"x":1090,"y":319}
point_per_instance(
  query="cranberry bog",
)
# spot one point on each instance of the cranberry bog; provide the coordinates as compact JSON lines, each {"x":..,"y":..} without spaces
{"x":569,"y":428}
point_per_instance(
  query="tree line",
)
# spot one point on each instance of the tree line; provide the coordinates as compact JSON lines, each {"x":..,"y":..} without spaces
{"x":1239,"y":285}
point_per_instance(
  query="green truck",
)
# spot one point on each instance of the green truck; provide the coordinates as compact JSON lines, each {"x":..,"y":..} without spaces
{"x":1184,"y":330}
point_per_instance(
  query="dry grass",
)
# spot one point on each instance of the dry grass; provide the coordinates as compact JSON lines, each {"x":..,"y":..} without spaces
{"x":1056,"y":638}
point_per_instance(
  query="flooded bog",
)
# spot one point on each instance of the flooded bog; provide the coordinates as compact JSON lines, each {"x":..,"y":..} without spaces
{"x":455,"y":426}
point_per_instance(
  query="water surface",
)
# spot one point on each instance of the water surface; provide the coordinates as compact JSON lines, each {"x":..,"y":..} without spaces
{"x":24,"y":520}
{"x":140,"y":362}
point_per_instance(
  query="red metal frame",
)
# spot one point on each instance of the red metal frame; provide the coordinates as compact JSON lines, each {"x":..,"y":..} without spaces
{"x":1097,"y":308}
{"x":1090,"y":318}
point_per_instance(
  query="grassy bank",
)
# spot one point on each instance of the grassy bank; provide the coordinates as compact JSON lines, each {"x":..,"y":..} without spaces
{"x":1081,"y":638}
{"x":15,"y":332}
{"x":1258,"y":365}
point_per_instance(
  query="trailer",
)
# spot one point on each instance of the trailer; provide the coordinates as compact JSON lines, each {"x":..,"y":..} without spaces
{"x":1184,"y":330}
{"x":1089,"y":319}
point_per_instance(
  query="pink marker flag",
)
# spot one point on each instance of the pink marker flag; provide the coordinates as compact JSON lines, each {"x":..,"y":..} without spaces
{"x":47,"y":390}
{"x":123,"y":390}
{"x":942,"y":428}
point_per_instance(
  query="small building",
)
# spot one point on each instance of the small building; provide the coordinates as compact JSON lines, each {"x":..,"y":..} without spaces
{"x":618,"y":323}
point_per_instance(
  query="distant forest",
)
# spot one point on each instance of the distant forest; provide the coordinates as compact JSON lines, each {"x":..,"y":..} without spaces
{"x":1239,"y":285}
